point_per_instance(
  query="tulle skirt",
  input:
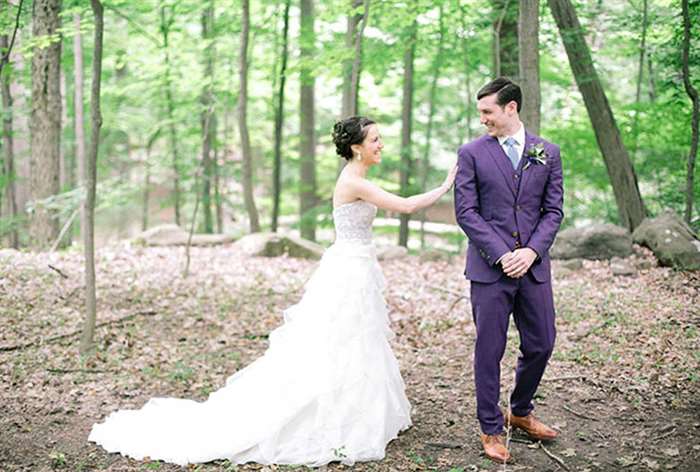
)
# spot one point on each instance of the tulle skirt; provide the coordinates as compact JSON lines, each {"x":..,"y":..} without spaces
{"x":328,"y":388}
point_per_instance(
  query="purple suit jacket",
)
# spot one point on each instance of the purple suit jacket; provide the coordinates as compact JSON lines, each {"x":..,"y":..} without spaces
{"x":494,"y":215}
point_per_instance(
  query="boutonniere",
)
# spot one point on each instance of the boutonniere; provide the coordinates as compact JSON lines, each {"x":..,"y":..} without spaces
{"x":536,"y":155}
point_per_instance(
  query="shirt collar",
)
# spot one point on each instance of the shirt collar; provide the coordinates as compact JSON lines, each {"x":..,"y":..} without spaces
{"x":519,"y":136}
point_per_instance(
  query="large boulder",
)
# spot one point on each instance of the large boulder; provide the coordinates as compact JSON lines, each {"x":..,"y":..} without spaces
{"x":597,"y":242}
{"x":671,"y":240}
{"x":173,"y":235}
{"x":273,"y":245}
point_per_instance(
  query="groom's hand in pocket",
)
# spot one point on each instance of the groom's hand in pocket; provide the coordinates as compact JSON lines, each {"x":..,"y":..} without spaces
{"x":519,"y":262}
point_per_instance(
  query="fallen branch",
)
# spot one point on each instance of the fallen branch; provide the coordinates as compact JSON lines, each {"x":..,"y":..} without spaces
{"x":444,"y":445}
{"x":558,"y":460}
{"x":565,"y":377}
{"x":521,"y":441}
{"x":580,"y":415}
{"x":58,"y":271}
{"x":60,"y":337}
{"x":84,"y":371}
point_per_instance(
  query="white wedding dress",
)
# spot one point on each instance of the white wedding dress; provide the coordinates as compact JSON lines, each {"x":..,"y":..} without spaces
{"x":327,"y":389}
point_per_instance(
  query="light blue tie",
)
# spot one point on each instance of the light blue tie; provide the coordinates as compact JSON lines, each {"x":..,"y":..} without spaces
{"x":512,"y":152}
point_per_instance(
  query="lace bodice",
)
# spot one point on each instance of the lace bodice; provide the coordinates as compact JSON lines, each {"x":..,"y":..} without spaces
{"x":353,"y":221}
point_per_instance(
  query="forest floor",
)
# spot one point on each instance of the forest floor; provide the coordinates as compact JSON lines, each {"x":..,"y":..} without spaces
{"x":622,"y":386}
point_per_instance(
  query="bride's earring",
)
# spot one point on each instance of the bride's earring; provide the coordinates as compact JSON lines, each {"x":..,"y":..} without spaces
{"x":358,"y":156}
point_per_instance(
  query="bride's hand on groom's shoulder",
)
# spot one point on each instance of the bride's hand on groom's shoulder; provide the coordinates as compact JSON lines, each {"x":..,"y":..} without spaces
{"x":450,"y":179}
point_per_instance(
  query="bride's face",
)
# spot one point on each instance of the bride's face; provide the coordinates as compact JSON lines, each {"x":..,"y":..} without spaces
{"x":371,"y":148}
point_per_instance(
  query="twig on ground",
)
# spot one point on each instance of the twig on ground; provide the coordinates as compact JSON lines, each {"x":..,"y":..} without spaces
{"x":454,"y":304}
{"x":565,"y":377}
{"x":53,"y":339}
{"x":83,"y":371}
{"x":665,"y":435}
{"x":580,"y":415}
{"x":521,"y":441}
{"x":558,"y":460}
{"x":446,"y":290}
{"x":444,"y":445}
{"x":58,"y":271}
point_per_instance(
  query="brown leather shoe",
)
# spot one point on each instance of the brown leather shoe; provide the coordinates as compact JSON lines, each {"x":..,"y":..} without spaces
{"x":494,"y":448}
{"x":532,"y":426}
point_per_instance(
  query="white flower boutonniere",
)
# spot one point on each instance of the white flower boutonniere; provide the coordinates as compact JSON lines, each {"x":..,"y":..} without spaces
{"x":536,"y":155}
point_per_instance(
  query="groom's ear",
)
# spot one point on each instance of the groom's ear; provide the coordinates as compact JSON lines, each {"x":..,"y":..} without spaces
{"x":511,"y":107}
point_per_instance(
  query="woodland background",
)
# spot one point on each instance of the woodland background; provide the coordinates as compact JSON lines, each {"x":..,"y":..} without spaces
{"x":121,"y":116}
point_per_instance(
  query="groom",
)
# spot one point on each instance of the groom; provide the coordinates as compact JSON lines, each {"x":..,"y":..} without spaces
{"x":508,"y":201}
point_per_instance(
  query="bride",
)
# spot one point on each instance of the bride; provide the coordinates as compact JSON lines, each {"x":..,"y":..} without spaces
{"x":328,"y":388}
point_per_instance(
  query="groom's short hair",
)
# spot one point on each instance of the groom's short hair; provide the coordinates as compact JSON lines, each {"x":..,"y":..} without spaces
{"x":506,"y":91}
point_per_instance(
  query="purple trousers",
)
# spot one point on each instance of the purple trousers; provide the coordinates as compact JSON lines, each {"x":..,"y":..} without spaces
{"x":532,"y":306}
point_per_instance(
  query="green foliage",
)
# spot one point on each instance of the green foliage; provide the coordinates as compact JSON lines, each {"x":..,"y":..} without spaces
{"x":135,"y":78}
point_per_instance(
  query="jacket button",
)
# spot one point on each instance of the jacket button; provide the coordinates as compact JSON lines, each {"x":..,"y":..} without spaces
{"x":515,"y":234}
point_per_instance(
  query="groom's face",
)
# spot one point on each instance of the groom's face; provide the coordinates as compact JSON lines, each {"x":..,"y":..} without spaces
{"x":497,"y":119}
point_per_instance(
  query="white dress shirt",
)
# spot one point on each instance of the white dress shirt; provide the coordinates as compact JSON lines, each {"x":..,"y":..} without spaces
{"x":519,"y":137}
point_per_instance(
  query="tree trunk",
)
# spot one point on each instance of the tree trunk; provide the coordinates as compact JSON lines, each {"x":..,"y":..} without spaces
{"x":8,"y":167}
{"x":208,"y":116}
{"x":165,"y":32}
{"x":307,"y":138}
{"x":620,"y":170}
{"x":45,"y":123}
{"x":79,"y":113}
{"x":693,"y":94}
{"x":529,"y":49}
{"x":468,"y":105}
{"x":406,"y":125}
{"x":425,"y":168}
{"x":279,"y":119}
{"x":248,"y":196}
{"x":352,"y":66}
{"x":640,"y":76}
{"x":86,"y":342}
{"x":505,"y":38}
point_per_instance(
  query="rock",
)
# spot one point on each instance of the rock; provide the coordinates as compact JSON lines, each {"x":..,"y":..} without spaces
{"x":620,"y":266}
{"x":571,"y":264}
{"x":9,"y":253}
{"x":273,"y":245}
{"x":673,"y":242}
{"x":598,"y":241}
{"x":173,"y":235}
{"x":162,"y":235}
{"x":433,"y":255}
{"x":391,"y":252}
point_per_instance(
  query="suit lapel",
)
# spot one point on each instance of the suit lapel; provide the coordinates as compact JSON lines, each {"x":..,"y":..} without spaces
{"x":529,"y":141}
{"x":501,"y":161}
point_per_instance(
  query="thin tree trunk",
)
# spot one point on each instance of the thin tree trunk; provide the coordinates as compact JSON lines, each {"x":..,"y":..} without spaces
{"x":640,"y":76}
{"x":8,"y":147}
{"x":86,"y":341}
{"x":248,"y":196}
{"x":652,"y":82}
{"x":279,"y":119}
{"x":348,"y":104}
{"x":620,"y":170}
{"x":79,"y":113}
{"x":406,"y":126}
{"x":505,"y":38}
{"x":208,"y":116}
{"x":217,"y":193}
{"x":425,"y":168}
{"x":45,"y":123}
{"x":307,"y":138}
{"x":468,"y":106}
{"x":147,"y":179}
{"x":693,"y":94}
{"x":529,"y":50}
{"x":165,"y":32}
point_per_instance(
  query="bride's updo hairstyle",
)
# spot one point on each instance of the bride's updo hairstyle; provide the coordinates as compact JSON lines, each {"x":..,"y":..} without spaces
{"x":350,"y":131}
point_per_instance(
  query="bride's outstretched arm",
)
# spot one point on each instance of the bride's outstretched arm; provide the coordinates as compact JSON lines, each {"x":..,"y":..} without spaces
{"x":367,"y":191}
